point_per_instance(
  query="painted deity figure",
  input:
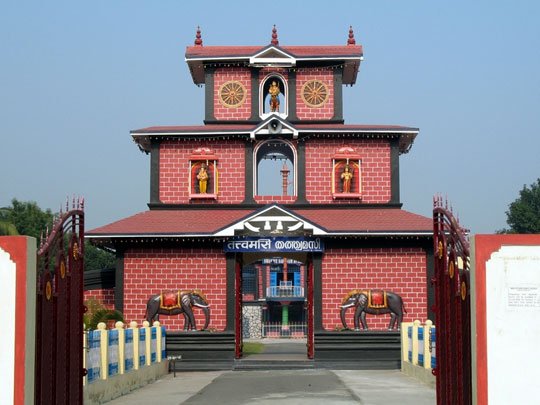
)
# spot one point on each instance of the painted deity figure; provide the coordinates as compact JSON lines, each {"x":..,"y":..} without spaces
{"x":202,"y":176}
{"x":274,"y":96}
{"x":346,"y":178}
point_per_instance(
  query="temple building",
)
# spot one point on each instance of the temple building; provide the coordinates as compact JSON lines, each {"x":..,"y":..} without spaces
{"x":274,"y":209}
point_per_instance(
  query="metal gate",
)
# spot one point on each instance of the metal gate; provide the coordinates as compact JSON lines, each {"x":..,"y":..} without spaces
{"x":59,"y":310}
{"x":453,"y":307}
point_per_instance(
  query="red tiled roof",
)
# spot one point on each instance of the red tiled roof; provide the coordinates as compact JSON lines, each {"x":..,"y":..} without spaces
{"x":367,"y":220}
{"x":349,"y":55}
{"x":172,"y":222}
{"x":208,"y":222}
{"x":248,"y":127}
{"x":301,"y":51}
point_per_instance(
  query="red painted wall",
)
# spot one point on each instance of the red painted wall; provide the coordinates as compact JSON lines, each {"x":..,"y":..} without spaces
{"x":223,"y":75}
{"x":150,"y":271}
{"x":106,"y":296}
{"x":401,"y":270}
{"x":375,"y":167}
{"x":325,"y":111}
{"x":174,"y":171}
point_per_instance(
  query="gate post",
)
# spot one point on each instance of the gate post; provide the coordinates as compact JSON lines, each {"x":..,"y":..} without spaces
{"x":17,"y":340}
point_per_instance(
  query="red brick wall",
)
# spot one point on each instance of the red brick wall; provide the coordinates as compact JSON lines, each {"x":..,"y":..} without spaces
{"x":280,"y":199}
{"x":150,"y":271}
{"x":325,"y":111}
{"x":223,"y":75}
{"x":174,"y":171}
{"x":401,"y":270}
{"x":106,"y":297}
{"x":375,"y":169}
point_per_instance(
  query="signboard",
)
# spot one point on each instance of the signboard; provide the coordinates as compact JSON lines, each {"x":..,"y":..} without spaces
{"x":276,"y":244}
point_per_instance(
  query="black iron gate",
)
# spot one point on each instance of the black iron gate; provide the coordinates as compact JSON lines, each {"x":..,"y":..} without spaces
{"x":59,"y":309}
{"x":453,"y":307}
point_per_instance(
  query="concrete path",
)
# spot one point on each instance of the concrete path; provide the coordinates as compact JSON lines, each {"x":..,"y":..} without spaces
{"x":283,"y":387}
{"x":310,"y":386}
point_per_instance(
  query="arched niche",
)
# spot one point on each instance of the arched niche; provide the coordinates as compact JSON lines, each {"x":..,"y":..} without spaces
{"x":273,"y":96}
{"x":271,"y":158}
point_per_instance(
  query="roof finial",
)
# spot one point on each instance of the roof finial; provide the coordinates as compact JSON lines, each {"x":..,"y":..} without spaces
{"x":198,"y":39}
{"x":274,"y":40}
{"x":351,"y":40}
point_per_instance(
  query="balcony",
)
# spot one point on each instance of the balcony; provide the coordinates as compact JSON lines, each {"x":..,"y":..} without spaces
{"x":285,"y":292}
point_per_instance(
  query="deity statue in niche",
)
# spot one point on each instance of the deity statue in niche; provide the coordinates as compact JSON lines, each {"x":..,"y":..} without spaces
{"x":346,"y":178}
{"x":202,"y":177}
{"x":274,"y":92}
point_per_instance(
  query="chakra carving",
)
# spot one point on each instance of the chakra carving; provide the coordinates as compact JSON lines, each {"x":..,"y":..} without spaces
{"x":232,"y":94}
{"x":314,"y":93}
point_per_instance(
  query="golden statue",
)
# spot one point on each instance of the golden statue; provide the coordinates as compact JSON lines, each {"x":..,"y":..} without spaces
{"x":346,"y":177}
{"x":274,"y":96}
{"x":202,"y":176}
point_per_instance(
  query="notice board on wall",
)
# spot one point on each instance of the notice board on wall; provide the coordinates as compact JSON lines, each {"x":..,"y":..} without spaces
{"x":505,"y":318}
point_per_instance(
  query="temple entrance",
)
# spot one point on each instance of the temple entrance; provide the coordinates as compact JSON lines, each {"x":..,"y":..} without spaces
{"x":274,"y":304}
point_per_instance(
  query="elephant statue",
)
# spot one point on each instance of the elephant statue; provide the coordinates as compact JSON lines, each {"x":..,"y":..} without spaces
{"x":375,"y":302}
{"x":178,"y":302}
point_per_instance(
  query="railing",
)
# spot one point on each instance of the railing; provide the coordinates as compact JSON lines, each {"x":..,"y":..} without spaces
{"x":118,"y":351}
{"x":285,"y":291}
{"x":418,"y":343}
{"x":294,"y":330}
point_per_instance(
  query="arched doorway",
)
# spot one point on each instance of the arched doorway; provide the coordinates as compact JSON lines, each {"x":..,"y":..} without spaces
{"x":274,"y":298}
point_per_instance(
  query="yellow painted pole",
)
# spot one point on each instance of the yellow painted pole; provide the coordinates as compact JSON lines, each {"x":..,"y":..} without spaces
{"x":104,"y":350}
{"x":85,"y":352}
{"x":416,"y":325}
{"x":427,"y":352}
{"x":119,"y":326}
{"x":148,"y":340}
{"x":133,"y":325}
{"x":405,"y":341}
{"x":157,"y":325}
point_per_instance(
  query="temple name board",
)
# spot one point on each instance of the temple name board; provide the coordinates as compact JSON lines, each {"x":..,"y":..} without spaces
{"x":294,"y":244}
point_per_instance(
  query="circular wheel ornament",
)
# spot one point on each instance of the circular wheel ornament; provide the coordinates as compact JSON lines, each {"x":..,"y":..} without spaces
{"x":463,"y":291}
{"x":232,"y":94}
{"x":62,"y":269}
{"x":48,"y":290}
{"x":314,"y":93}
{"x":451,"y":268}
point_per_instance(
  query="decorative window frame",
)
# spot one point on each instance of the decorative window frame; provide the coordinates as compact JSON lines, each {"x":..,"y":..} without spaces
{"x":203,"y":156}
{"x":346,"y":156}
{"x":284,"y":93}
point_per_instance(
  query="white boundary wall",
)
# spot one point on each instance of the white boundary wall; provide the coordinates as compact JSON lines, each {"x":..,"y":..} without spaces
{"x":7,"y":337}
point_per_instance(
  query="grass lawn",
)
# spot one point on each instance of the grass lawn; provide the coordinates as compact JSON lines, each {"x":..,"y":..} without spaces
{"x":252,"y":348}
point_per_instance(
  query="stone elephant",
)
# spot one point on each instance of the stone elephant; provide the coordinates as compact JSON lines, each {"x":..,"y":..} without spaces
{"x":178,"y":302}
{"x":375,"y":302}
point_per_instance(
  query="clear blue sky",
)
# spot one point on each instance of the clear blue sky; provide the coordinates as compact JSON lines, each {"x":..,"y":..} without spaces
{"x":76,"y":77}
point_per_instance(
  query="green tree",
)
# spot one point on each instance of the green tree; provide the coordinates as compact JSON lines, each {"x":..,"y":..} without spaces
{"x":7,"y":227}
{"x":27,"y":218}
{"x":523,"y":215}
{"x":97,"y":259}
